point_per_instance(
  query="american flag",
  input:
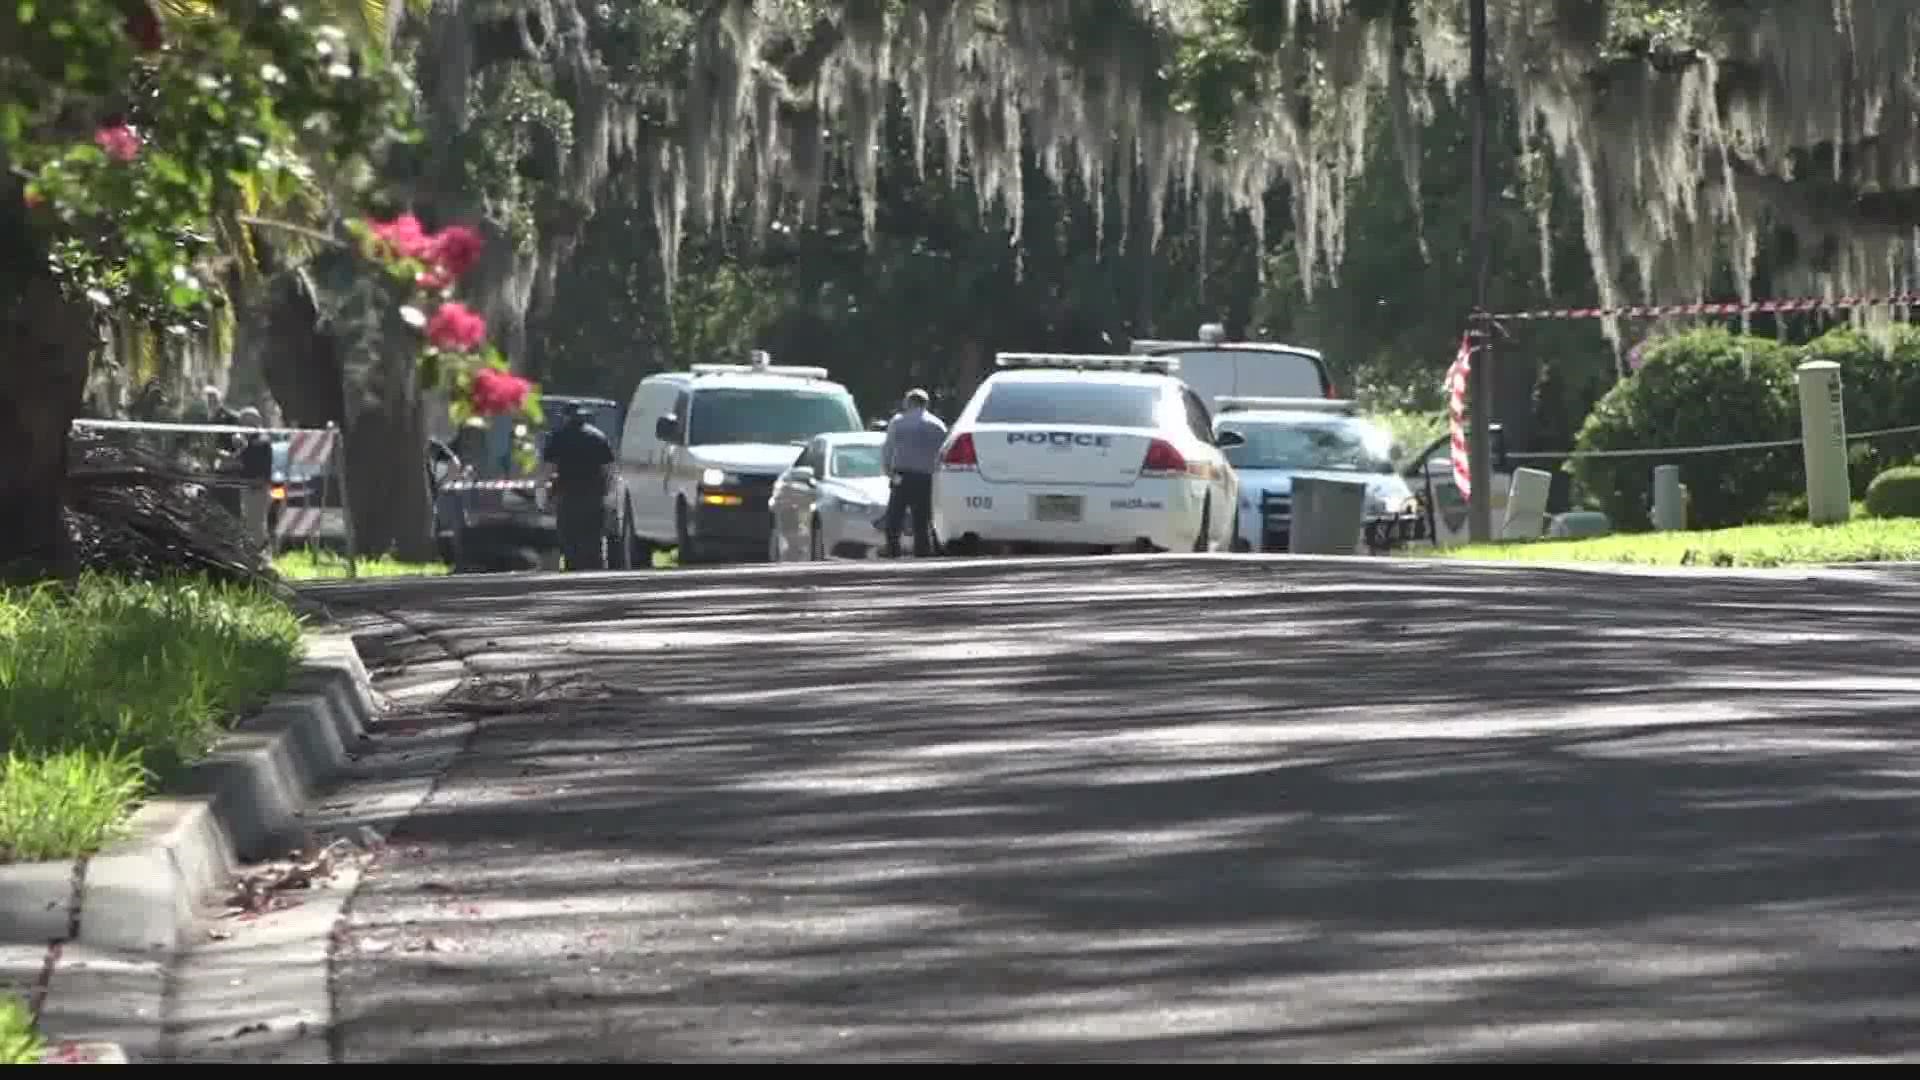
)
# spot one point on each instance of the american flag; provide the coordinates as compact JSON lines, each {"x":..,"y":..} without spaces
{"x":1456,"y":387}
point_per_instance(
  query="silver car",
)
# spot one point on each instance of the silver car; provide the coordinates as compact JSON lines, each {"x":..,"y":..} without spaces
{"x":830,"y":502}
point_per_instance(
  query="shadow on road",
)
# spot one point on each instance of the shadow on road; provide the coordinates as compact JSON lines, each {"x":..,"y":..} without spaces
{"x":1158,"y":810}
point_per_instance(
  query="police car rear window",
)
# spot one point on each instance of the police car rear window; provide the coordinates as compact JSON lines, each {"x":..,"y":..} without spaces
{"x":1097,"y":404}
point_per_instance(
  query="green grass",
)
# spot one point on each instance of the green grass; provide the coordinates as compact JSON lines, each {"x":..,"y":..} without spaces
{"x":20,"y":1043}
{"x":1859,"y":540}
{"x":304,"y":565}
{"x":110,"y":687}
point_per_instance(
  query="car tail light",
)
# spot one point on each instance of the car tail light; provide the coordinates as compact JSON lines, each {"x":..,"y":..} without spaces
{"x":1163,"y":458}
{"x":960,"y":454}
{"x":1333,"y":392}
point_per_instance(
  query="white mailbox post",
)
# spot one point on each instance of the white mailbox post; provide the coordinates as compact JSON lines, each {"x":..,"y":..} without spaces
{"x":1669,"y":502}
{"x":1527,"y":505}
{"x":1823,"y":436}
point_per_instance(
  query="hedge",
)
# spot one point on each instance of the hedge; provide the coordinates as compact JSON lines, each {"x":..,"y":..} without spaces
{"x":1701,"y":387}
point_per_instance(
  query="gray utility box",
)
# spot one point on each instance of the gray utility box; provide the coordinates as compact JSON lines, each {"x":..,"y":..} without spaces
{"x":1327,"y":515}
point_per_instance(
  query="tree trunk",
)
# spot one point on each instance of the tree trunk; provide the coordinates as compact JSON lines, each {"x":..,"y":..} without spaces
{"x":386,"y":454}
{"x":300,"y":362}
{"x":247,"y":382}
{"x":46,"y":343}
{"x":1514,"y":384}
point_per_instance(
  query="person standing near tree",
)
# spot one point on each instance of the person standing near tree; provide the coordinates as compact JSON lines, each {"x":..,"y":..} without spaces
{"x":255,"y":461}
{"x":910,"y":453}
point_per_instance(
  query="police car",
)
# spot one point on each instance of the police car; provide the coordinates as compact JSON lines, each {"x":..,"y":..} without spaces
{"x":1085,"y":453}
{"x":1283,"y":439}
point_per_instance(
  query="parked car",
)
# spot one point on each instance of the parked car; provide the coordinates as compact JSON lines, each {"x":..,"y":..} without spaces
{"x":831,"y":502}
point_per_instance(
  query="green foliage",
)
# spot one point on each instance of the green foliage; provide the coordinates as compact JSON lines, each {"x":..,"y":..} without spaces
{"x":1895,"y":492}
{"x":20,"y":1041}
{"x":131,"y":151}
{"x":1698,"y":388}
{"x":1412,"y":430}
{"x":108,"y":683}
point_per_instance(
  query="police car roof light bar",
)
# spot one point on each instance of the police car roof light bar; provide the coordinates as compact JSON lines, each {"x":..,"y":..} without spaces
{"x":1227,"y":403}
{"x":1086,"y":361}
{"x":791,"y":371}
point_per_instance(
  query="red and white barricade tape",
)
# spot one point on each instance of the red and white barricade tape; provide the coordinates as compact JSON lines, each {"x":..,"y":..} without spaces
{"x":298,"y":522}
{"x":311,"y":449}
{"x":1719,"y":307}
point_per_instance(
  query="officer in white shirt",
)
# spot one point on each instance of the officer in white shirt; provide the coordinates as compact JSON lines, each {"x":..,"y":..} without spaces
{"x":910,"y":453}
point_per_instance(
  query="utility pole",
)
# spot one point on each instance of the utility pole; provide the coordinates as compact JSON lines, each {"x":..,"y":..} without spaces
{"x":1480,"y":380}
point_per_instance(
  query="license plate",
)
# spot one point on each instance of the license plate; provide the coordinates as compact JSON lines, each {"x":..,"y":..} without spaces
{"x":1056,"y":507}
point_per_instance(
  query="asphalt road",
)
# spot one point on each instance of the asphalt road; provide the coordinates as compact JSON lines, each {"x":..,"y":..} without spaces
{"x":1190,"y":808}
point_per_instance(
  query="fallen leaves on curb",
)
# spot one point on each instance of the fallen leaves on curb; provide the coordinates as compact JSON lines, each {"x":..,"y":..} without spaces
{"x":265,"y":888}
{"x":510,"y":694}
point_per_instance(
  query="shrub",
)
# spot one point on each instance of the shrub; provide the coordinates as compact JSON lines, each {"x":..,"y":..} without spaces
{"x":1880,"y":384}
{"x":1701,"y":387}
{"x":1895,"y":493}
{"x":1410,"y":429}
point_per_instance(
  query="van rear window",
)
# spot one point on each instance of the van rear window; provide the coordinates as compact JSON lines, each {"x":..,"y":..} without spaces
{"x":1091,"y":403}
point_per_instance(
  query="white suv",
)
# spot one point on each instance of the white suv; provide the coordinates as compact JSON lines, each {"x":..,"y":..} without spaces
{"x":702,"y":448}
{"x":1063,"y":452}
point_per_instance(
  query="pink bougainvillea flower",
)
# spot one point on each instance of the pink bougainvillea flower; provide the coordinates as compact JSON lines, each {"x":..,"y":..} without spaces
{"x":454,"y":249}
{"x":433,"y":280}
{"x":496,"y":393}
{"x":401,"y":238}
{"x":455,"y":328}
{"x":120,"y":141}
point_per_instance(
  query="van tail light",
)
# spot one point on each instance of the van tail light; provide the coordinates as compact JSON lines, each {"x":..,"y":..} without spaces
{"x":1163,"y":458}
{"x":960,"y":453}
{"x":1333,"y":392}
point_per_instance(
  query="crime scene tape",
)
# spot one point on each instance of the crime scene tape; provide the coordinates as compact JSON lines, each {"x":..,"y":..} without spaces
{"x":490,"y":485}
{"x":1719,"y":307}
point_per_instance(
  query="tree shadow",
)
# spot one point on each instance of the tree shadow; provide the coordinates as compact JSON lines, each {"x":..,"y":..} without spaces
{"x":1176,"y":809}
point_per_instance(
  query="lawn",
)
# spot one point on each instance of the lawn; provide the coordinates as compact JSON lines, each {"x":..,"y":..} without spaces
{"x":305,"y":565}
{"x":20,"y":1044}
{"x":1859,"y":540}
{"x":109,"y":688}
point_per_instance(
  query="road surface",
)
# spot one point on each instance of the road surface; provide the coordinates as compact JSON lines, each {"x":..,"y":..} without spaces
{"x":1191,"y":808}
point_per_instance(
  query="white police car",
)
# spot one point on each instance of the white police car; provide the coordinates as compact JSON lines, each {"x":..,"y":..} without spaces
{"x":1281,"y":439}
{"x":1076,"y":453}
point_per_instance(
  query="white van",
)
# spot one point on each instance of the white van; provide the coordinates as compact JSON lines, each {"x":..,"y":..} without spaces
{"x":1215,"y":367}
{"x":701,"y":449}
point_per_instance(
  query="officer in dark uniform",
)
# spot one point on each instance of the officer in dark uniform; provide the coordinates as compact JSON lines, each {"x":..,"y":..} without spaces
{"x":580,"y":457}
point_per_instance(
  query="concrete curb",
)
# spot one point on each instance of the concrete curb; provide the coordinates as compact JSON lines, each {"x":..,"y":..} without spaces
{"x":242,"y":804}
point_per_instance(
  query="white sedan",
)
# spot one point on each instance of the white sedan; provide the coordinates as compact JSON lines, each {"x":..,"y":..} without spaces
{"x":830,"y":501}
{"x":1078,"y":453}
